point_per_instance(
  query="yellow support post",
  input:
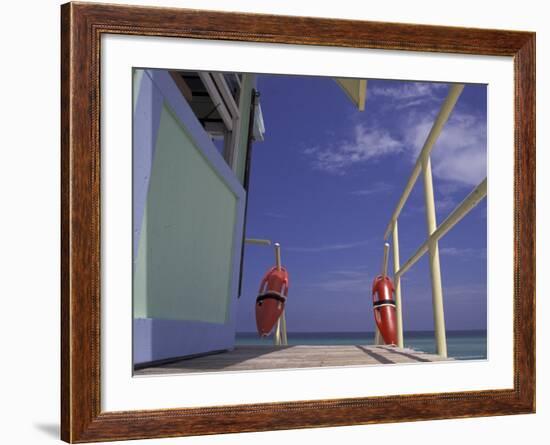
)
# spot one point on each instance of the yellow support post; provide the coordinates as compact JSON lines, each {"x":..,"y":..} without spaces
{"x":435,"y":269}
{"x":397,"y":283}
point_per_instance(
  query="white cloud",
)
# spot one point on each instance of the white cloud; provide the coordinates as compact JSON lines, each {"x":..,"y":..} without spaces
{"x":367,"y":144}
{"x":345,"y":281}
{"x":460,"y":153}
{"x":408,"y":94}
{"x":345,"y":285}
{"x":462,"y":293}
{"x":466,"y":290}
{"x":275,"y":215}
{"x":463,"y":252}
{"x":445,"y":202}
{"x":327,"y":247}
{"x":377,"y":188}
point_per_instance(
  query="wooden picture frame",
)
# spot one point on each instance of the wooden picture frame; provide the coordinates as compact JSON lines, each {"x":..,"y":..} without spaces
{"x":82,"y":26}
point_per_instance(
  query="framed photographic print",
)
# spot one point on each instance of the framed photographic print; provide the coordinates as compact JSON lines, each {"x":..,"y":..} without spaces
{"x":275,"y":222}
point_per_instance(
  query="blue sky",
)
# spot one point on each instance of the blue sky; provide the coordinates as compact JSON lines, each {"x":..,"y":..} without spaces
{"x":325,"y":182}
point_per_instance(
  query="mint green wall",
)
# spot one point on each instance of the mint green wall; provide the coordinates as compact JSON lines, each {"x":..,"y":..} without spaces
{"x":185,"y":227}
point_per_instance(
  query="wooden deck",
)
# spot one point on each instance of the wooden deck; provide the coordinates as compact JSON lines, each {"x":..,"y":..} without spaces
{"x":252,"y":358}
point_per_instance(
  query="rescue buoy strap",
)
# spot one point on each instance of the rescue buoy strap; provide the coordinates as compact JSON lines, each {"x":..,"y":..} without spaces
{"x":383,"y":303}
{"x":273,"y":295}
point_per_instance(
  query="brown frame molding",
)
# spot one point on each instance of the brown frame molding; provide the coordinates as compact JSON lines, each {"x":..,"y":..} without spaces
{"x":82,"y":25}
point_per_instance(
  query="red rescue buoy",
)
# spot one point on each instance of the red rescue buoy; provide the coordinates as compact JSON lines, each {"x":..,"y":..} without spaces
{"x":384,"y":309}
{"x":271,"y":299}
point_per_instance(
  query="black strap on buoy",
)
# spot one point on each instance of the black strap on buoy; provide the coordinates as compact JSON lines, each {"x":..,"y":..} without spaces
{"x":271,"y":295}
{"x":384,"y":303}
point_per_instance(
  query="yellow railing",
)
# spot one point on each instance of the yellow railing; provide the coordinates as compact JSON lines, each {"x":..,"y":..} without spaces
{"x":431,"y":245}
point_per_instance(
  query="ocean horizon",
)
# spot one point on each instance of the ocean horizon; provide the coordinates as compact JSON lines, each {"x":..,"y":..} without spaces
{"x":461,"y":344}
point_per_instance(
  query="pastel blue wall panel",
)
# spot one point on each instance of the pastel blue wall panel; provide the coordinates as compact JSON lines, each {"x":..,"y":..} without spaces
{"x":189,"y":231}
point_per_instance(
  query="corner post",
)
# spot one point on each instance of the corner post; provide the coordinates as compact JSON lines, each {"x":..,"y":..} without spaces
{"x":435,"y":269}
{"x":397,"y":282}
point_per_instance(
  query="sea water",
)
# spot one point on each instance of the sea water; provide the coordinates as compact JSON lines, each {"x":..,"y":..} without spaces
{"x":461,"y":345}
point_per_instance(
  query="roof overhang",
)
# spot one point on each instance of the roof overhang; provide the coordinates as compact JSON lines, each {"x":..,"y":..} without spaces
{"x":355,"y":89}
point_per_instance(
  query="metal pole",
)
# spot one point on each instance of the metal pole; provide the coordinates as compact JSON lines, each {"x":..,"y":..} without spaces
{"x":277,"y":336}
{"x":261,"y":242}
{"x":397,"y":282}
{"x":435,"y":269}
{"x":283,"y":329}
{"x":278,"y":255}
{"x":377,"y":337}
{"x":385,"y":259}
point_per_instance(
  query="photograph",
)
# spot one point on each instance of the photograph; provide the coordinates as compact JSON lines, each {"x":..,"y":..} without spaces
{"x":280,"y":222}
{"x":291,"y":221}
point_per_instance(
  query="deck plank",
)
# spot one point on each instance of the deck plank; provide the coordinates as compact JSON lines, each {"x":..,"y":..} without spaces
{"x":254,"y":358}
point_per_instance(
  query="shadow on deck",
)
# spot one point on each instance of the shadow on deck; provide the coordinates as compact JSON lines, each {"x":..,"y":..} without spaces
{"x":254,"y":357}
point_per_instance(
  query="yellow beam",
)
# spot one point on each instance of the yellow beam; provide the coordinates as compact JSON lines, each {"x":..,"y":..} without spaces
{"x":442,"y":117}
{"x":457,"y":214}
